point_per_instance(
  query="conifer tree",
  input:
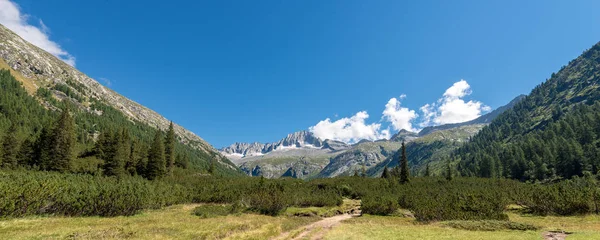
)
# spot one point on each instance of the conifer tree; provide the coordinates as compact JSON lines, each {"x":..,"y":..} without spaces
{"x":427,"y":171}
{"x":115,"y":164}
{"x":62,"y":143}
{"x":386,"y":173}
{"x":41,"y":158}
{"x":211,"y":167}
{"x":448,"y":171}
{"x":170,"y":148}
{"x":356,"y":173}
{"x":156,"y":166}
{"x":10,"y":148}
{"x":134,"y":157}
{"x":404,"y":171}
{"x":26,"y":156}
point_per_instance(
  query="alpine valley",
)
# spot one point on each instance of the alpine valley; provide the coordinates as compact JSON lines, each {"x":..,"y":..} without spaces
{"x":302,"y":155}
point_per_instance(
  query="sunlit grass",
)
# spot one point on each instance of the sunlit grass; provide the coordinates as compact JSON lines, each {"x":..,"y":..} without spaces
{"x":376,"y":227}
{"x":175,"y":222}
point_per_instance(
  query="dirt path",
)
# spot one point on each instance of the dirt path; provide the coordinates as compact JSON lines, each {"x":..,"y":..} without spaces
{"x":315,"y":230}
{"x":554,"y":235}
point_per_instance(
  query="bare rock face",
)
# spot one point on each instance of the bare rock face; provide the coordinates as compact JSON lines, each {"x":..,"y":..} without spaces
{"x":302,"y":139}
{"x":43,"y":69}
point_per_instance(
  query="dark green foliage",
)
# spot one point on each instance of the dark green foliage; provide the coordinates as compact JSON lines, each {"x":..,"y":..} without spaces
{"x":62,"y":144}
{"x":386,"y":173}
{"x":551,"y":134}
{"x":268,"y":199}
{"x":379,"y":204}
{"x":10,"y":149}
{"x":40,"y":193}
{"x":170,"y":149}
{"x":115,"y":150}
{"x":449,"y":171}
{"x":427,"y":171}
{"x":404,"y":170}
{"x":156,"y":166}
{"x":491,"y":225}
{"x":571,"y":197}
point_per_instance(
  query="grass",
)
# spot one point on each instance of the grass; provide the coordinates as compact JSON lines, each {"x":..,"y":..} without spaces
{"x":346,"y":207}
{"x":378,"y":227}
{"x":179,"y":222}
{"x":491,"y":225}
{"x":175,"y":222}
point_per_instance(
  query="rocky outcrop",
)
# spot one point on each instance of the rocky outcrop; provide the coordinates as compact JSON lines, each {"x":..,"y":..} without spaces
{"x":302,"y":139}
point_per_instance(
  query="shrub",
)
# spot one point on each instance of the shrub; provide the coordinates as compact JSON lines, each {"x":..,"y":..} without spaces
{"x":40,"y":193}
{"x":491,"y":225}
{"x":210,"y":211}
{"x":379,"y":205}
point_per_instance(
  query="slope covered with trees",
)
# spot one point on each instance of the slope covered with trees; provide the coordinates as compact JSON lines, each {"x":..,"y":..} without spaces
{"x":552,"y":133}
{"x":44,"y":133}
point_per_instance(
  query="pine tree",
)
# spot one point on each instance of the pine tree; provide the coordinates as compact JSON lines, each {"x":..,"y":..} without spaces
{"x":134,"y":157}
{"x":41,"y":158}
{"x":170,"y":148}
{"x":427,"y":171}
{"x":156,"y":166}
{"x":62,"y":143}
{"x":115,"y":164}
{"x":356,"y":173}
{"x":448,"y":171}
{"x":386,"y":173}
{"x":26,"y":156}
{"x":211,"y":167}
{"x":10,"y":148}
{"x":404,"y":171}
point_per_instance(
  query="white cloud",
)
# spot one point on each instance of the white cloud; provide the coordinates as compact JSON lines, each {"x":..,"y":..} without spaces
{"x":349,"y":130}
{"x":12,"y":18}
{"x":399,"y":117}
{"x":452,"y":108}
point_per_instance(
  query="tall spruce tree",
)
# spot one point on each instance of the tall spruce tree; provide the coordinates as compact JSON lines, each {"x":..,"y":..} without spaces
{"x":115,"y":164}
{"x":62,"y":143}
{"x":26,"y":156}
{"x":404,"y":170}
{"x":156,"y":166}
{"x":10,"y":148}
{"x":448,"y":171}
{"x":41,"y":159}
{"x":427,"y":171}
{"x":170,"y":149}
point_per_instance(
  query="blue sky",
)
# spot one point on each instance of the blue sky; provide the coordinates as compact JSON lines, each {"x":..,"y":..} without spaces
{"x":258,"y":70}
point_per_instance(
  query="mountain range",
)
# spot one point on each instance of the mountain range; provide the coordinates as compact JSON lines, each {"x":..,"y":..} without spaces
{"x":303,"y":155}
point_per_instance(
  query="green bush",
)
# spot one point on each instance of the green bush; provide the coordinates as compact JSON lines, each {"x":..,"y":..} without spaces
{"x":41,"y":193}
{"x":379,"y":205}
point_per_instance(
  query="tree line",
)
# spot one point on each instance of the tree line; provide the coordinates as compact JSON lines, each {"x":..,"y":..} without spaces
{"x":38,"y":132}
